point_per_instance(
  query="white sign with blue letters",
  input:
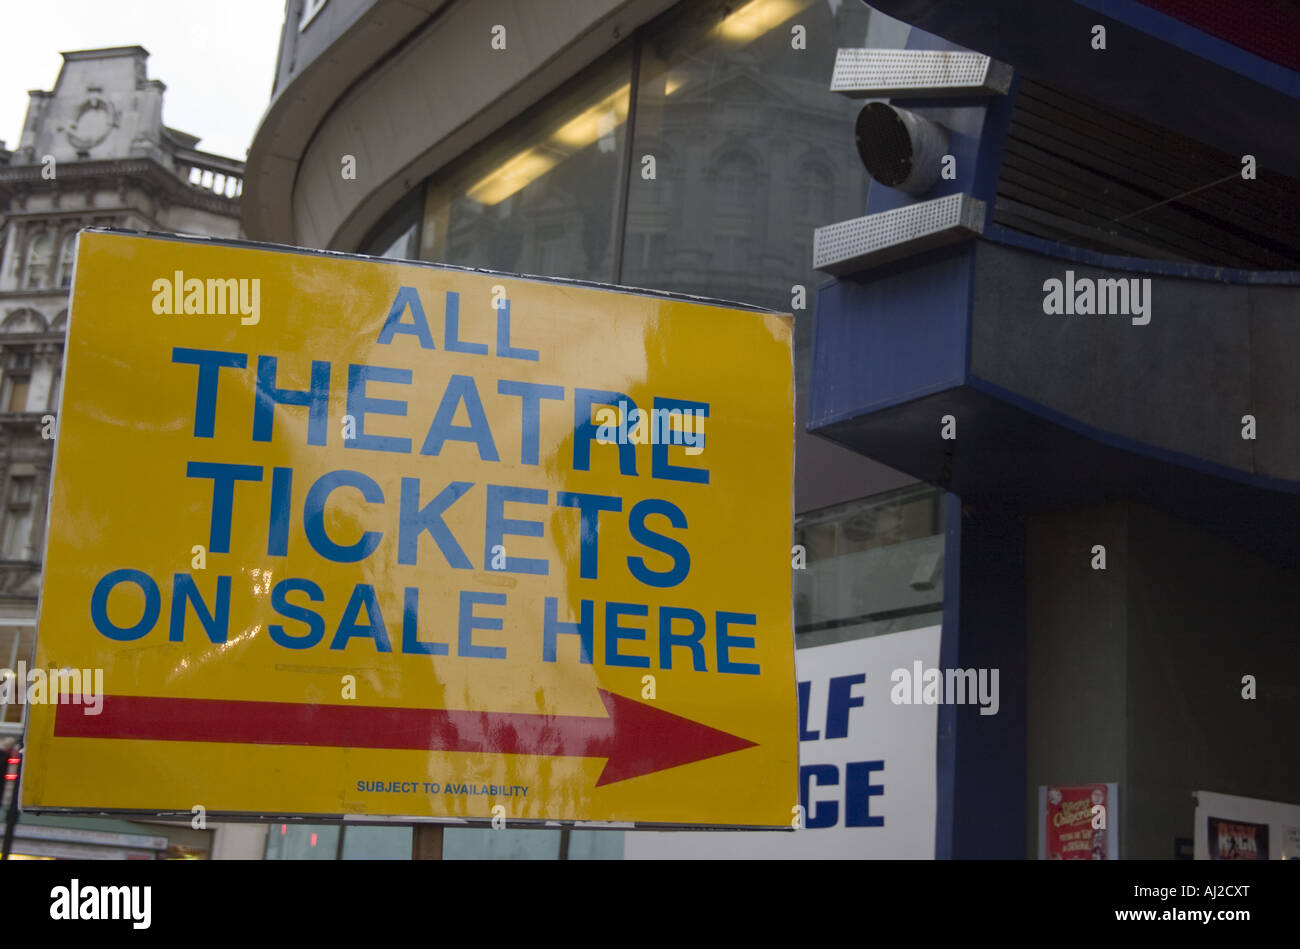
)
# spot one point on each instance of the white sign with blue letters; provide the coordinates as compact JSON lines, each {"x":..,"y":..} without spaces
{"x":867,"y":767}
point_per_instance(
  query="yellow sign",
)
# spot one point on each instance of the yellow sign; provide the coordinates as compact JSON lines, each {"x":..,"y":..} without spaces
{"x":352,"y":537}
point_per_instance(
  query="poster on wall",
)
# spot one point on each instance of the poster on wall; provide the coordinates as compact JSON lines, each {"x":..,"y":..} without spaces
{"x":1236,"y":840}
{"x":1078,"y":822}
{"x":1229,"y":827}
{"x":867,"y":764}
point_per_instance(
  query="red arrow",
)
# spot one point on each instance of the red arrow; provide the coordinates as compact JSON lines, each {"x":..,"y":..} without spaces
{"x":635,"y":738}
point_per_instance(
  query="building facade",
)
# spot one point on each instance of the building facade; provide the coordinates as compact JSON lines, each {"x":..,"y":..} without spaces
{"x":1098,"y":505}
{"x":94,"y":151}
{"x":1121,"y":467}
{"x":691,"y":147}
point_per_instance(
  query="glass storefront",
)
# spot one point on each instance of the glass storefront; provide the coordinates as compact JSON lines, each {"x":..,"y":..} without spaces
{"x":736,"y":153}
{"x":543,"y":196}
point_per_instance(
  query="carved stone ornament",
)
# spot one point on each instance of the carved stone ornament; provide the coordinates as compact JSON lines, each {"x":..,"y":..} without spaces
{"x":95,"y":119}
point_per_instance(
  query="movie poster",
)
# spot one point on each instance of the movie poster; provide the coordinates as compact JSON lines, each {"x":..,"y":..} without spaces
{"x":1237,"y":840}
{"x":1076,"y":821}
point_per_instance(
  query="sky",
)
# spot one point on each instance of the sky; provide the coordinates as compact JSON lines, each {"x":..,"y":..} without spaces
{"x":216,"y":59}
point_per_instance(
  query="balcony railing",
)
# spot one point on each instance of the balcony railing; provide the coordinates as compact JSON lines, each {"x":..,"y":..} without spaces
{"x":221,"y":176}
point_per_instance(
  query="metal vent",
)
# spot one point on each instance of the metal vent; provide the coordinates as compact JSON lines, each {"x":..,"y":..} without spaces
{"x":869,"y":241}
{"x":898,"y":73}
{"x":1082,"y":173}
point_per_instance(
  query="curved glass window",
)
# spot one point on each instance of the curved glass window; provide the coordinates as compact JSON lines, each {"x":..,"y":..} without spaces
{"x":736,"y":152}
{"x":541,"y":197}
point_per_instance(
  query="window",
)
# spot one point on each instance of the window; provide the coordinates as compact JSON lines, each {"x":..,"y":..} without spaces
{"x":542,"y":197}
{"x":39,"y":252}
{"x":403,"y":246}
{"x":661,"y":191}
{"x":17,"y":381}
{"x":305,"y":841}
{"x":19,"y":515}
{"x":718,"y":80}
{"x":309,"y":10}
{"x":67,"y":255}
{"x":331,"y":842}
{"x":551,"y":249}
{"x":872,"y":566}
{"x":397,"y":235}
{"x":17,"y":388}
{"x":24,"y":320}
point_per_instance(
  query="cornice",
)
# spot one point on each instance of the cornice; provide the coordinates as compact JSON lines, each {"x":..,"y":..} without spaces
{"x":26,"y":179}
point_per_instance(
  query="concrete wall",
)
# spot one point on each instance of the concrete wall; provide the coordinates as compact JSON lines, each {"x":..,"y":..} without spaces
{"x":301,"y":45}
{"x":1202,"y":614}
{"x":1135,"y":672}
{"x":1211,"y":353}
{"x":1077,"y":659}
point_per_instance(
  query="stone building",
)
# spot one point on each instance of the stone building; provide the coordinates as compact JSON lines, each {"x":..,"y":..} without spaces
{"x":93,"y":152}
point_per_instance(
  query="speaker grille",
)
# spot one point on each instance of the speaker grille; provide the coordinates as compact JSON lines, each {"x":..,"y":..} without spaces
{"x":888,"y":235}
{"x":879,"y":73}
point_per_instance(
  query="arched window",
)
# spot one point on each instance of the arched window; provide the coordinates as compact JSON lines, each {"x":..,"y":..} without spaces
{"x":39,"y":252}
{"x":67,"y":254}
{"x":19,"y":517}
{"x":23,"y":320}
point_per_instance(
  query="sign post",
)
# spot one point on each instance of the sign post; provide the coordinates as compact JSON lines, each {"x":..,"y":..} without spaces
{"x":354,"y":537}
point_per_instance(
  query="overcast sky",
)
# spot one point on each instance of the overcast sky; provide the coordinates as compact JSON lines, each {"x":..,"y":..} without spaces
{"x":216,"y":59}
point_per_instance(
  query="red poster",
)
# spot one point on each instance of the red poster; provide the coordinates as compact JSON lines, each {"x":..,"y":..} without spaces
{"x":1075,"y":828}
{"x":1237,"y":840}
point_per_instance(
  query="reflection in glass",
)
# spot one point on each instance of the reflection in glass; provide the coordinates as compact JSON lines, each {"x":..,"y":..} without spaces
{"x":752,"y":151}
{"x":542,"y":196}
{"x":303,"y":841}
{"x":873,"y":566}
{"x":472,"y":843}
